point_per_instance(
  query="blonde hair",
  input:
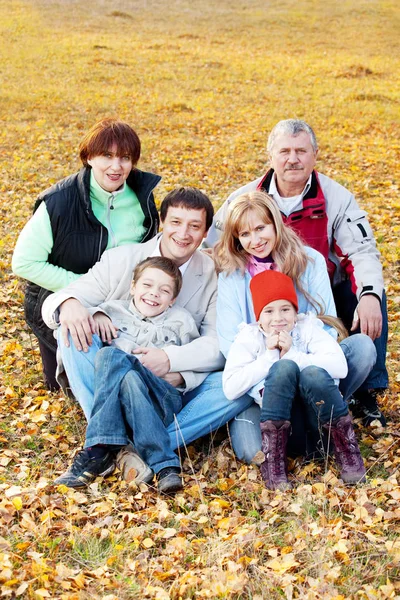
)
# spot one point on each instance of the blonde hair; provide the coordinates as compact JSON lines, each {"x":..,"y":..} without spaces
{"x":337,"y":324}
{"x":288,"y":253}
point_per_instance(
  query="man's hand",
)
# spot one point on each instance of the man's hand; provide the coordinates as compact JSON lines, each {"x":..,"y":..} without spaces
{"x":155,"y":360}
{"x":174,"y":379}
{"x":105,"y":328}
{"x":368,"y":316}
{"x":77,"y":320}
{"x":285,"y":342}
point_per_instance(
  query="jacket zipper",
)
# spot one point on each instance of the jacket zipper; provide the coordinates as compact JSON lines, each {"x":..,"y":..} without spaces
{"x":149,"y":213}
{"x":100,"y":242}
{"x":109,"y":208}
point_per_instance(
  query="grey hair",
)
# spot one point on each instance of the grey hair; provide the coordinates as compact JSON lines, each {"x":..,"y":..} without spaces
{"x":291,"y":127}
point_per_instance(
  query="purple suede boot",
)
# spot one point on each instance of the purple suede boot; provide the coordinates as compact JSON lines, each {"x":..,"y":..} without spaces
{"x":274,"y":436}
{"x":347,"y":452}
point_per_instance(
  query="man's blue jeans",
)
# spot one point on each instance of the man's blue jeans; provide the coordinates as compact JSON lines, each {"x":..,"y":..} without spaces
{"x":130,"y":403}
{"x":346,"y":303}
{"x":204,"y":409}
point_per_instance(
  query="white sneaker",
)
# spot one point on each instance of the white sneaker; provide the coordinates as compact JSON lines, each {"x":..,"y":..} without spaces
{"x":132,"y":466}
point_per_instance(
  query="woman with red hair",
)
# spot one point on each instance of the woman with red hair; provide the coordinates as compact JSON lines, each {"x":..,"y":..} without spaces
{"x":108,"y":203}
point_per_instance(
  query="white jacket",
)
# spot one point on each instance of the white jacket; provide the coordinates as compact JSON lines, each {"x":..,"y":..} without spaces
{"x":249,"y":360}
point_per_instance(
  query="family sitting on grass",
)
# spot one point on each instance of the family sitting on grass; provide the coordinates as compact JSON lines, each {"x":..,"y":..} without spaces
{"x":143,"y":335}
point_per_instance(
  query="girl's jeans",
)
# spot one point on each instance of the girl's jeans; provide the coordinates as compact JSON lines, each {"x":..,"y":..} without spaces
{"x":245,"y":433}
{"x":317,"y":392}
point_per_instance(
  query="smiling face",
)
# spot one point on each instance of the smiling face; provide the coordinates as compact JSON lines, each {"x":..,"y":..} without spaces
{"x":183,"y":230}
{"x":153,"y":292}
{"x":293,"y":158}
{"x":278,"y":316}
{"x":110,"y":170}
{"x":257,"y":237}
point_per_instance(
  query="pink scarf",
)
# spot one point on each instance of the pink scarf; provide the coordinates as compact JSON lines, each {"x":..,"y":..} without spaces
{"x":257,"y":265}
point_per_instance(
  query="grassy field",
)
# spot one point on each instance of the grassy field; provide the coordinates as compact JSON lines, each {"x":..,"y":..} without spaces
{"x":202,"y":83}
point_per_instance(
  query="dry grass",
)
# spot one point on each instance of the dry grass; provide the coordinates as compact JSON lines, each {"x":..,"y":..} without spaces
{"x":203,"y":83}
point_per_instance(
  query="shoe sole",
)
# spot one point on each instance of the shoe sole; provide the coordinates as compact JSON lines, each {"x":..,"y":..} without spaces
{"x":354,"y":480}
{"x":131,"y":476}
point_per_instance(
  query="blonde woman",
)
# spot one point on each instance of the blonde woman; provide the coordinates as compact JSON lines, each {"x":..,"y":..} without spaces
{"x":255,"y":239}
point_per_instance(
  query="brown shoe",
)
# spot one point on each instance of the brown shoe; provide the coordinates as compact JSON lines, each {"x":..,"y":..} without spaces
{"x":274,"y":436}
{"x":347,"y":452}
{"x":132,"y":466}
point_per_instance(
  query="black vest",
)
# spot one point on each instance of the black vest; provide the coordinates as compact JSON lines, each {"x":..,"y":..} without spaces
{"x":79,"y":238}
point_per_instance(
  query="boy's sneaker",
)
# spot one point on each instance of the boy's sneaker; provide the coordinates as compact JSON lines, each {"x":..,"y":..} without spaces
{"x":169,"y":480}
{"x":86,"y":468}
{"x":132,"y":466}
{"x":367,"y":407}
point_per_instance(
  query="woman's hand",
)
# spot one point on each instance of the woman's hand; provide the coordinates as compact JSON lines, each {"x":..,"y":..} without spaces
{"x":106,"y":330}
{"x":284,"y":342}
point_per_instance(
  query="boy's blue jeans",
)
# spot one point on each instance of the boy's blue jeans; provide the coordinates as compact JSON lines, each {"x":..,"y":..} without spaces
{"x":130,"y":403}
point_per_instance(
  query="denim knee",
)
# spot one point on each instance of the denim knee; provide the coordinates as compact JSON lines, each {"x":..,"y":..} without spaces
{"x":360,"y":347}
{"x":314,"y":378}
{"x":102,"y":355}
{"x":284,"y":368}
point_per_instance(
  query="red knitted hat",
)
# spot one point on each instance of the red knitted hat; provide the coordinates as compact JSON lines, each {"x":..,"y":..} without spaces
{"x":269,"y":286}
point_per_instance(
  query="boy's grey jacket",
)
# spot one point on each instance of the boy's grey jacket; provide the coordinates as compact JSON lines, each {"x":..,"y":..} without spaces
{"x":110,"y":279}
{"x":175,"y":326}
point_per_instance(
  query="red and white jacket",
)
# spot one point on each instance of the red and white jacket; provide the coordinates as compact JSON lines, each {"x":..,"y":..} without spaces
{"x":330,"y":221}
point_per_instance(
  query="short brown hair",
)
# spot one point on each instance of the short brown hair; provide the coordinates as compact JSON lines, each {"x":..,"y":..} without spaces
{"x":104,"y":134}
{"x":164,"y":264}
{"x":189,"y":198}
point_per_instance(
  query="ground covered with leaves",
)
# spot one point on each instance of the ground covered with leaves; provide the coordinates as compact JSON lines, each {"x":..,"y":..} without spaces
{"x":203,"y":83}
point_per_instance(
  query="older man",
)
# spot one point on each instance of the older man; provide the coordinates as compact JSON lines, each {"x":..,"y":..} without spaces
{"x":328,"y":218}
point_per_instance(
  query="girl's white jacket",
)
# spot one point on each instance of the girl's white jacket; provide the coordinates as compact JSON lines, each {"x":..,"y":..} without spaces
{"x":249,"y":360}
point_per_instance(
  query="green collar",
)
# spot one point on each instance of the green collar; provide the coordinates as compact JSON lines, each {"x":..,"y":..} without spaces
{"x":99,"y":194}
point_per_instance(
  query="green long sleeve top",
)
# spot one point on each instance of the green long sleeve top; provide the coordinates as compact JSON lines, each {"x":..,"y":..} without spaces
{"x":124,"y":223}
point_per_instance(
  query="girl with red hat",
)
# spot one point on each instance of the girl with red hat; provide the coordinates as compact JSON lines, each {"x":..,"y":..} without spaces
{"x":254,"y":240}
{"x":286,"y":355}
